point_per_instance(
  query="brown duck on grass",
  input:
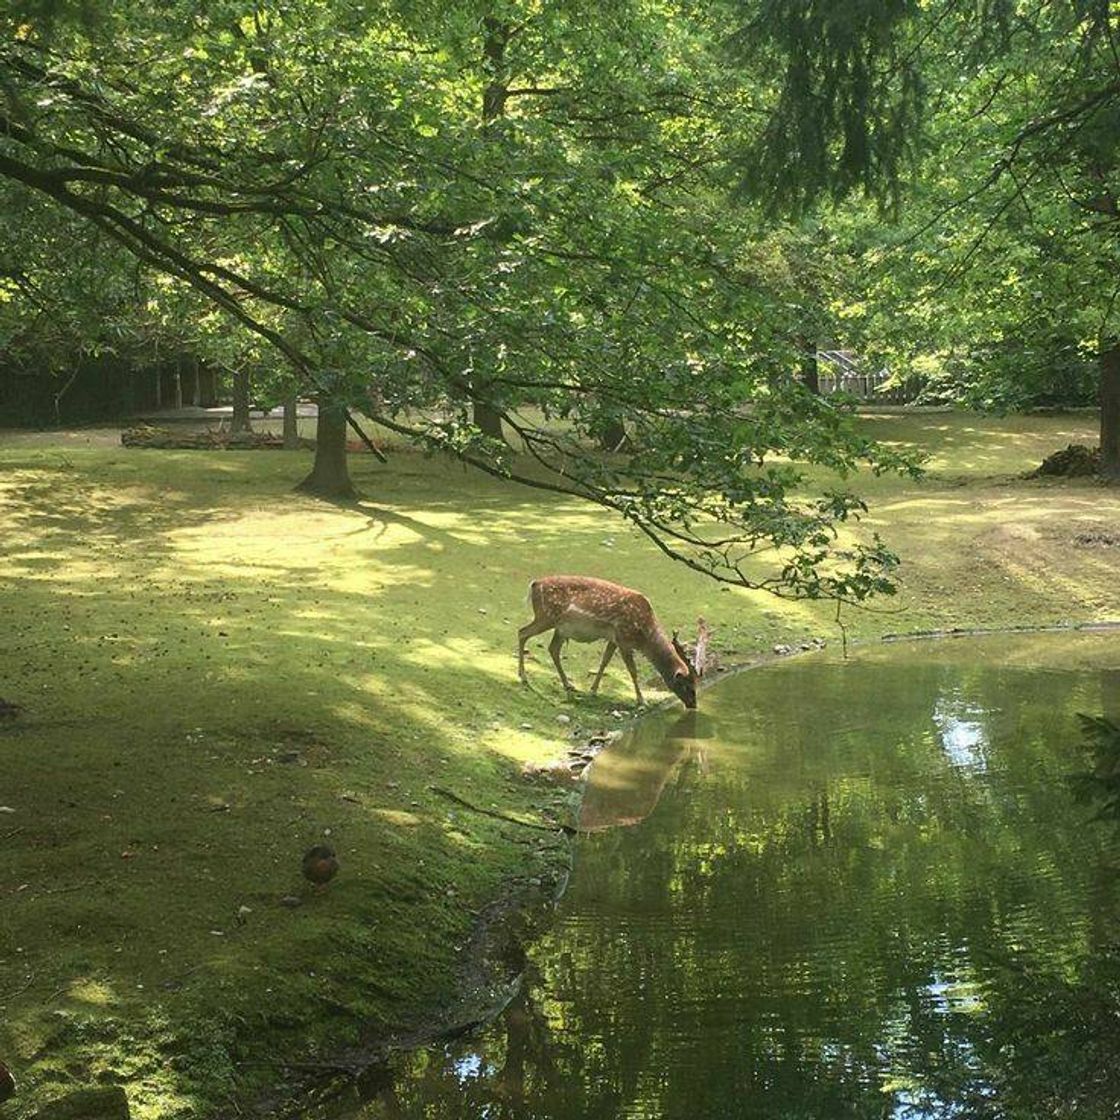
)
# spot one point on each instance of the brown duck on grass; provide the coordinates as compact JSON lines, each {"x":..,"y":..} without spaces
{"x":320,"y":865}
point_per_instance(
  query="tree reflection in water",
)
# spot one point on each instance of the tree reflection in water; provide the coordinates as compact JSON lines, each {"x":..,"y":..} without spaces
{"x":843,"y":889}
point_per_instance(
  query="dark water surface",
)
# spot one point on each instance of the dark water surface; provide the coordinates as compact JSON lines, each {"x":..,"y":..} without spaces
{"x":841,"y":889}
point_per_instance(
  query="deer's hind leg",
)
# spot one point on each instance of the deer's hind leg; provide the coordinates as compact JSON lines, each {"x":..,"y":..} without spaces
{"x":554,"y":647}
{"x":608,"y":653}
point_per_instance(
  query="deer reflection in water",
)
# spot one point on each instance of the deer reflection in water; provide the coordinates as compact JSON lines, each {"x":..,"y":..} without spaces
{"x":627,"y":780}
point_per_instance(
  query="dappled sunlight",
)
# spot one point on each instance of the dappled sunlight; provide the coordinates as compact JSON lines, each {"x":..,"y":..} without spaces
{"x":1034,"y":570}
{"x":994,"y":506}
{"x":436,"y":528}
{"x":91,"y":991}
{"x":799,"y":615}
{"x":361,"y":559}
{"x":454,"y":653}
{"x":398,"y":817}
{"x":920,"y":505}
{"x":959,"y":443}
{"x":36,"y":564}
{"x":439,"y":695}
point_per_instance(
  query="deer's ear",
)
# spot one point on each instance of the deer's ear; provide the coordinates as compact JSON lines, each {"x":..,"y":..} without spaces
{"x":693,"y":675}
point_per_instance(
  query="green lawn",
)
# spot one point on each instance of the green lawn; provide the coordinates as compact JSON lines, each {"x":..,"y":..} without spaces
{"x":215,"y":673}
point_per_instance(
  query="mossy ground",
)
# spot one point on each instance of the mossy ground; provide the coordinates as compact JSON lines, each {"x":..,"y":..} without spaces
{"x":215,"y":672}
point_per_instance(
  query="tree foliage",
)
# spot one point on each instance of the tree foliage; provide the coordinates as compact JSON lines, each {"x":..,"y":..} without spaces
{"x":499,"y":212}
{"x":324,"y":175}
{"x":1000,"y":277}
{"x":846,"y":105}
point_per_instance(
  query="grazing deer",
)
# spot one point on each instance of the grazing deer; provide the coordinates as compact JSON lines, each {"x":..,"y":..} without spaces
{"x":586,"y":610}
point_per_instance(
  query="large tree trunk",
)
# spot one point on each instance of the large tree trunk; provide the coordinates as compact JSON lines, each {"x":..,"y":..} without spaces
{"x":496,"y":35}
{"x":291,"y":423}
{"x":612,"y":436}
{"x":330,"y":476}
{"x":487,"y":420}
{"x":1110,"y":407}
{"x":240,"y":422}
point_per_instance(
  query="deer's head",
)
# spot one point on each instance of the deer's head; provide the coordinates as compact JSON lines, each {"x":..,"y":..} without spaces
{"x":683,"y":681}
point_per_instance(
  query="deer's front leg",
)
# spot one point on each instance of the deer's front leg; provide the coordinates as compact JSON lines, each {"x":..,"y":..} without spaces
{"x":554,"y":647}
{"x":608,"y":653}
{"x":628,"y":657}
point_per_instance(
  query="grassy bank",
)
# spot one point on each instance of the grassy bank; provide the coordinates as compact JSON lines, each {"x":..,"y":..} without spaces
{"x":215,"y":673}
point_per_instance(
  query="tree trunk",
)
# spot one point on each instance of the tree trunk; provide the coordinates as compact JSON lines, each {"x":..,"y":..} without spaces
{"x":240,"y":422}
{"x":810,"y":371}
{"x":496,"y":34}
{"x":291,"y":424}
{"x":1110,"y":407}
{"x":208,"y":385}
{"x":159,"y":388}
{"x":62,"y":392}
{"x":612,"y":436}
{"x":487,"y":420}
{"x":177,"y":383}
{"x":196,"y":384}
{"x":330,"y":476}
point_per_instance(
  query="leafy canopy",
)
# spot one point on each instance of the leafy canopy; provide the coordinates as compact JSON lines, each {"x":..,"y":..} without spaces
{"x":510,"y":204}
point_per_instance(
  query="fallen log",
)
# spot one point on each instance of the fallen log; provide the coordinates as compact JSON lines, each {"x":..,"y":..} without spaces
{"x":146,"y":435}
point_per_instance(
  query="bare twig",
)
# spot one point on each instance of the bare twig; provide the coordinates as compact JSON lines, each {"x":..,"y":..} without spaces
{"x":566,"y":829}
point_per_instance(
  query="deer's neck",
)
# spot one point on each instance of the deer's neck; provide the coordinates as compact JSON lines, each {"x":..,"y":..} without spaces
{"x":662,"y":656}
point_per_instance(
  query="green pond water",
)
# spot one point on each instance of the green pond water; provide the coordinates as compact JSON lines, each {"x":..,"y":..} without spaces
{"x":856,"y":888}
